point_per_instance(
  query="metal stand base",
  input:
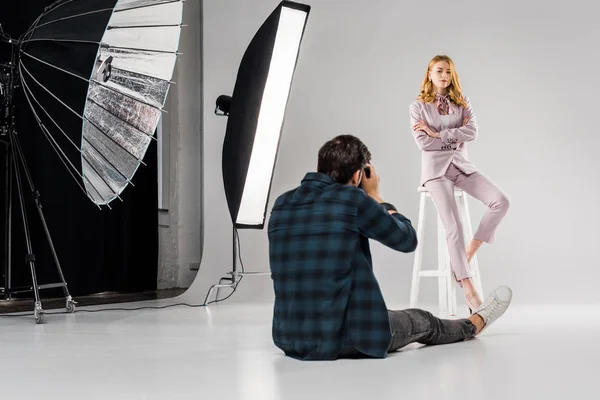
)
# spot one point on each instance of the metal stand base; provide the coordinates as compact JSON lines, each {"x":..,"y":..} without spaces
{"x":235,"y":276}
{"x":235,"y":279}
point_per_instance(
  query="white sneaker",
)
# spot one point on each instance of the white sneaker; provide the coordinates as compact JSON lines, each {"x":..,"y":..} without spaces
{"x":494,"y":306}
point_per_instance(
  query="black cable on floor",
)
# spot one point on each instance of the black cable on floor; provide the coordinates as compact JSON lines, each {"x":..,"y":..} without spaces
{"x":29,"y":314}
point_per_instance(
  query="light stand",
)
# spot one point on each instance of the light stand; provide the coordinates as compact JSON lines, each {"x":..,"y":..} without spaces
{"x":15,"y":160}
{"x":222,"y":107}
{"x":256,"y":113}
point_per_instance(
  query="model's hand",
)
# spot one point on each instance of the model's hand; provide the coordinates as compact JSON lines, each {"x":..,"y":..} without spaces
{"x":433,"y":133}
{"x":466,"y":120}
{"x":371,"y":185}
{"x":422,"y":126}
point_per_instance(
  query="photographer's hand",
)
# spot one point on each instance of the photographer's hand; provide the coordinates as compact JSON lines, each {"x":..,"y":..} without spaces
{"x":371,"y":186}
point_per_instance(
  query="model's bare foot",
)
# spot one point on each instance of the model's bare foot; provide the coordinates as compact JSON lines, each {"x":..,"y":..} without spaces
{"x":473,"y":301}
{"x":472,"y":248}
{"x":471,"y":296}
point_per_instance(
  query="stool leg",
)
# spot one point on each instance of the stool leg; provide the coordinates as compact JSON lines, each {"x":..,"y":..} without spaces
{"x":468,"y":228}
{"x":449,"y":278}
{"x":453,"y":297}
{"x":418,"y":261}
{"x":442,"y":255}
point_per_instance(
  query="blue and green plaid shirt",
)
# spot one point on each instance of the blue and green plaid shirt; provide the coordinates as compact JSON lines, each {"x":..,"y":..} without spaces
{"x":326,"y":295}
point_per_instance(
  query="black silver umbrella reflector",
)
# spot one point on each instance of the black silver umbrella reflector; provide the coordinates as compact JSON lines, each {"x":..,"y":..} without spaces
{"x":96,"y":74}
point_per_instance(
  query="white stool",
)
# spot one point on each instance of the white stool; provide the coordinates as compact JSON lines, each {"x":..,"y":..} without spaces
{"x":447,"y":289}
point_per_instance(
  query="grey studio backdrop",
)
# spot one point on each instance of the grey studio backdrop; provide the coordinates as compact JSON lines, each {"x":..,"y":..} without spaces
{"x":531,"y":72}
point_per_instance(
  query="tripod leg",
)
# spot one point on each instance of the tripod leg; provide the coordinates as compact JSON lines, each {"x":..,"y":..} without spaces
{"x":70,"y":303}
{"x":8,"y":224}
{"x":38,"y":311}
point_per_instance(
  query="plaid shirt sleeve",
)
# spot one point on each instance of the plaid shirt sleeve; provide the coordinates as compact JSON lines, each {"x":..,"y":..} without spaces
{"x":392,"y":230}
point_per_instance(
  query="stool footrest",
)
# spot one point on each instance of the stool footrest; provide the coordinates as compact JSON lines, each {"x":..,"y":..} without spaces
{"x":434,"y":273}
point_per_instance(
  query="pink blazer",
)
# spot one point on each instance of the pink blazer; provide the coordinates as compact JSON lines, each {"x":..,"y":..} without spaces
{"x":437,"y":154}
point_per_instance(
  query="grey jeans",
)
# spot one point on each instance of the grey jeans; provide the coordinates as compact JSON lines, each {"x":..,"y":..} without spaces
{"x":420,"y":326}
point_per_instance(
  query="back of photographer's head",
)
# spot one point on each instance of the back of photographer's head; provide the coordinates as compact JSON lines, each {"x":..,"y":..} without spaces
{"x":342,"y":156}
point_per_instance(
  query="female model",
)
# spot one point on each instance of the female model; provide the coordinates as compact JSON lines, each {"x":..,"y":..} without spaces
{"x":443,"y":122}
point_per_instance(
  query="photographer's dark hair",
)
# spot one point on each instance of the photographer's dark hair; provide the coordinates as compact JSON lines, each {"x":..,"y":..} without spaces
{"x":342,"y":156}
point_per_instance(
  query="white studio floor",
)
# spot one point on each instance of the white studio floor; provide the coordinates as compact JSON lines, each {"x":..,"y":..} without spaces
{"x":225,"y":352}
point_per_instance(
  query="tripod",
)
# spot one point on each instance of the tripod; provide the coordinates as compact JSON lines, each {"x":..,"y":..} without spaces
{"x":15,"y":162}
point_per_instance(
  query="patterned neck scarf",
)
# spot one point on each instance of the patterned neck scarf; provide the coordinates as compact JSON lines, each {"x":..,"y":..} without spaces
{"x":443,"y":104}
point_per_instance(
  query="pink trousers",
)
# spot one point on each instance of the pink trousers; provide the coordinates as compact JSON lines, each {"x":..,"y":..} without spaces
{"x":481,"y":188}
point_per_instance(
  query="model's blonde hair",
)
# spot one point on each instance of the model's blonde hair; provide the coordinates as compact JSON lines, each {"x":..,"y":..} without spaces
{"x":454,"y":90}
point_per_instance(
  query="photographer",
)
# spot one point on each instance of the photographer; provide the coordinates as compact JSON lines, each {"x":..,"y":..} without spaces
{"x":328,"y":303}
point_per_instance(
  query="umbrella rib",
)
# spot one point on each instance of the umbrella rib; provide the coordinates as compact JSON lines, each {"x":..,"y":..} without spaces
{"x":47,"y":90}
{"x":139,"y":49}
{"x":54,"y":66}
{"x":63,"y":157}
{"x":104,"y":45}
{"x":139,"y":73}
{"x":75,"y":16}
{"x":110,"y":27}
{"x":147,"y":5}
{"x":127,"y":95}
{"x":144,"y":75}
{"x":111,"y":113}
{"x":74,"y":145}
{"x":64,"y":18}
{"x":61,"y":40}
{"x":52,"y":7}
{"x":55,"y":5}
